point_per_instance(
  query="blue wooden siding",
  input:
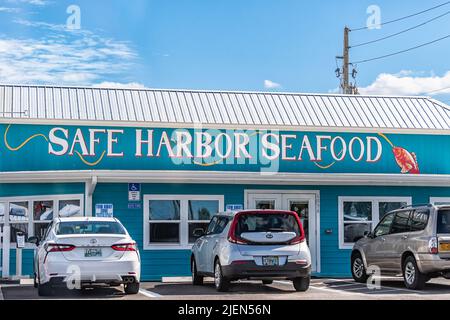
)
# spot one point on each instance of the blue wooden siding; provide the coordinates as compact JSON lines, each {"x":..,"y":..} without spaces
{"x":334,"y":262}
{"x":161,"y":263}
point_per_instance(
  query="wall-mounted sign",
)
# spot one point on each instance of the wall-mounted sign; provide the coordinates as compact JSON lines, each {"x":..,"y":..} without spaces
{"x":103,"y":148}
{"x":134,"y":192}
{"x":104,"y":210}
{"x":234,"y":207}
{"x":134,"y":206}
{"x":20,"y":240}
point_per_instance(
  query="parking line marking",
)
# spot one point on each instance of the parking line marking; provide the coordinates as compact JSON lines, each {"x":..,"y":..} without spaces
{"x":149,"y":294}
{"x":1,"y":294}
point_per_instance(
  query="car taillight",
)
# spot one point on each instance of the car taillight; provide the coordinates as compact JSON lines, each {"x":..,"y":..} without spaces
{"x":54,"y":247}
{"x":433,"y":246}
{"x":298,"y":239}
{"x":124,"y":247}
{"x":232,"y":237}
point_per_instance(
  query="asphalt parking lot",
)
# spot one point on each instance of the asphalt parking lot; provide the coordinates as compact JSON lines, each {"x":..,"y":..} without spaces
{"x":321,"y":289}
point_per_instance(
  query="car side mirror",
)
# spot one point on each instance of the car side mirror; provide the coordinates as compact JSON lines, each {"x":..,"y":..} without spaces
{"x":368,"y":234}
{"x":33,"y":240}
{"x":199,"y":232}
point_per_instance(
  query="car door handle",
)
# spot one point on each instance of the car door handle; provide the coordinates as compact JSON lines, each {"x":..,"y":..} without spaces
{"x":405,"y":237}
{"x":383,"y":239}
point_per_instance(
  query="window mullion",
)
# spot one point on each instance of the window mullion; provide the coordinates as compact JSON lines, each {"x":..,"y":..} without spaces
{"x":184,"y":227}
{"x":375,"y":213}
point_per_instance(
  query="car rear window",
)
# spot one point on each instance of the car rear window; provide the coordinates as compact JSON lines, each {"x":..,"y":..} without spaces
{"x":443,"y":223}
{"x":279,"y":222}
{"x":89,"y":227}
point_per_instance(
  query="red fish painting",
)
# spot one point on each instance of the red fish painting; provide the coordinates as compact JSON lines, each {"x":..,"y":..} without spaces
{"x":407,"y":161}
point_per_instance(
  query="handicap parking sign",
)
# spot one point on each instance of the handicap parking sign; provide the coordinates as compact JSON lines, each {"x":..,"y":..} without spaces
{"x":134,"y":192}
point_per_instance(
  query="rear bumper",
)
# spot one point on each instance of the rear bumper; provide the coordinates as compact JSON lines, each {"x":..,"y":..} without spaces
{"x":114,"y":272}
{"x":251,"y":270}
{"x":429,"y":263}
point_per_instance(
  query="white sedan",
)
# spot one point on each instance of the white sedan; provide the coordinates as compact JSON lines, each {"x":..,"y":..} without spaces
{"x":83,"y":252}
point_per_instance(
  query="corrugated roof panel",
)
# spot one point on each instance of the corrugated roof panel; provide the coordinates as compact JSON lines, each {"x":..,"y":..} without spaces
{"x":428,"y":113}
{"x":442,"y":113}
{"x":232,"y":113}
{"x":211,"y":116}
{"x":153,"y":114}
{"x":222,"y":109}
{"x":190,"y":105}
{"x":253,"y":109}
{"x":376,"y":112}
{"x":216,"y":107}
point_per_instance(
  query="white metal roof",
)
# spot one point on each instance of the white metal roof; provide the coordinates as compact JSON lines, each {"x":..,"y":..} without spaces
{"x":222,"y":108}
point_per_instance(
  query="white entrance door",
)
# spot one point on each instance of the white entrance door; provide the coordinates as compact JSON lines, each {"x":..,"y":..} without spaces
{"x":304,"y":203}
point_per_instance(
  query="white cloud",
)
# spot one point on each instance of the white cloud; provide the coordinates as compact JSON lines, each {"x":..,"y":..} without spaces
{"x":33,"y":2}
{"x":408,"y":83}
{"x":118,"y":85}
{"x":9,"y":9}
{"x":63,"y":57}
{"x":269,"y":84}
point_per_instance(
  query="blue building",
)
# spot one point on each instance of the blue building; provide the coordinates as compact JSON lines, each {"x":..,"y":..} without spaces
{"x":163,"y":161}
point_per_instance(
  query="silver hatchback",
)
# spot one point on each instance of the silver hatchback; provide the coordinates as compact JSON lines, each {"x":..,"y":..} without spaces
{"x":413,"y":242}
{"x":252,"y":244}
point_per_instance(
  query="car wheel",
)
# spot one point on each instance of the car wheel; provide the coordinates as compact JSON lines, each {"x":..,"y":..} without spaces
{"x":301,"y":284}
{"x":44,"y":290}
{"x":221,"y":283}
{"x":413,"y":278}
{"x":132,"y":288}
{"x":359,"y":273}
{"x":267,"y":282}
{"x":196,"y":279}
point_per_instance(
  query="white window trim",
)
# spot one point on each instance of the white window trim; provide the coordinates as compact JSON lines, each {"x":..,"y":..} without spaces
{"x":30,"y":199}
{"x":434,"y":200}
{"x":375,"y":212}
{"x":184,"y":222}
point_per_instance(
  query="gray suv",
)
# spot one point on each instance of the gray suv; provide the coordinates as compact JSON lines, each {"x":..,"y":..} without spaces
{"x":412,"y":241}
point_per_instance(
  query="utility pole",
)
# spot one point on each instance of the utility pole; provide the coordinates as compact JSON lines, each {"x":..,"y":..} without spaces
{"x":345,"y":69}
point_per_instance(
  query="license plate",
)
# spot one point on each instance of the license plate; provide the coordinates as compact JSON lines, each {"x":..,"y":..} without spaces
{"x":444,"y":247}
{"x":270,"y":261}
{"x":90,"y":253}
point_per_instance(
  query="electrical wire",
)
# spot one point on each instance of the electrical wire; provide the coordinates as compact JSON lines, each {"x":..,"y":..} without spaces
{"x":401,"y":32}
{"x":402,"y":51}
{"x":439,"y":90}
{"x":405,"y":17}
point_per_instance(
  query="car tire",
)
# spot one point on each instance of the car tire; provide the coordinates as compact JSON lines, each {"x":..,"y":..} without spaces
{"x":132,"y":288}
{"x":301,"y":284}
{"x":197,"y":280}
{"x":359,"y":273}
{"x":413,"y":278}
{"x":44,"y":290}
{"x":267,"y":282}
{"x":221,"y":283}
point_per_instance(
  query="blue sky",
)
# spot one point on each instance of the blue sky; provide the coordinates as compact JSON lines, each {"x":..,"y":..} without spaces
{"x":279,"y":45}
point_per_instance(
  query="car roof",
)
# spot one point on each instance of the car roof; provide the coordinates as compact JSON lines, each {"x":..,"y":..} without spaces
{"x":262,"y":211}
{"x":86,"y":219}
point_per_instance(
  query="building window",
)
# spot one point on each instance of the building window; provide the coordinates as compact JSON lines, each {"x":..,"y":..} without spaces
{"x":439,"y":200}
{"x":164,"y":216}
{"x":170,"y":221}
{"x":359,"y":215}
{"x":200,"y":214}
{"x":18,"y":219}
{"x":31,"y":215}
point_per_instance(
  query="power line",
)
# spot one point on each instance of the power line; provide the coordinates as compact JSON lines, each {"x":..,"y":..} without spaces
{"x":438,"y":90}
{"x":400,"y":32}
{"x":402,"y":51}
{"x":405,"y":17}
